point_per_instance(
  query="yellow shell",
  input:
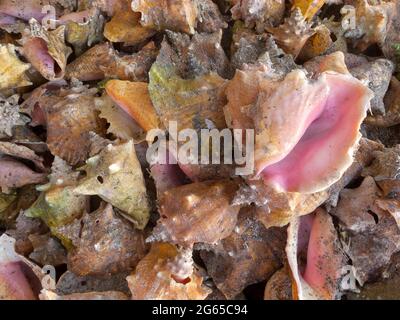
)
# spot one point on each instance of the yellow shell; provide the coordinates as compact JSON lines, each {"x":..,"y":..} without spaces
{"x":12,"y":70}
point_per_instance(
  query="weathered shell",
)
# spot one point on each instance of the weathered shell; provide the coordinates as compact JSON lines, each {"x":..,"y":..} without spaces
{"x":115,"y":175}
{"x":180,"y":15}
{"x":197,"y":212}
{"x":105,"y":244}
{"x":134,"y":99}
{"x":158,"y":276}
{"x":12,"y":70}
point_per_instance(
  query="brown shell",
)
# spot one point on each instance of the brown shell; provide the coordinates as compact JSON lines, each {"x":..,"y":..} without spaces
{"x":250,"y":254}
{"x":155,"y":277}
{"x":176,"y":15}
{"x":292,"y":35}
{"x":106,"y":244}
{"x":197,"y":212}
{"x":69,"y":123}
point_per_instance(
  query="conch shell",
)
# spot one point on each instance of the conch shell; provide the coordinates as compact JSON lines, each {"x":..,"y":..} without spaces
{"x":47,"y":51}
{"x":175,"y":15}
{"x":197,"y":212}
{"x":12,"y":70}
{"x":316,"y":235}
{"x":310,"y":149}
{"x":166,"y":274}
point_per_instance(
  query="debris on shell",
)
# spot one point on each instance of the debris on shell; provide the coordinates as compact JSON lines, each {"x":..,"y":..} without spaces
{"x":277,"y":209}
{"x":134,"y":99}
{"x":178,"y":15}
{"x":393,"y":33}
{"x":362,"y":158}
{"x":250,"y":254}
{"x":124,"y":187}
{"x":197,"y":212}
{"x":247,"y":46}
{"x":209,"y":17}
{"x":156,"y":277}
{"x":105,"y":244}
{"x":70,"y":283}
{"x":12,"y":69}
{"x":191,"y":57}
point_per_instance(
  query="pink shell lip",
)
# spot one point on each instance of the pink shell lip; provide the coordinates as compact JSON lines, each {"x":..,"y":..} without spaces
{"x":24,"y":10}
{"x":325,"y":149}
